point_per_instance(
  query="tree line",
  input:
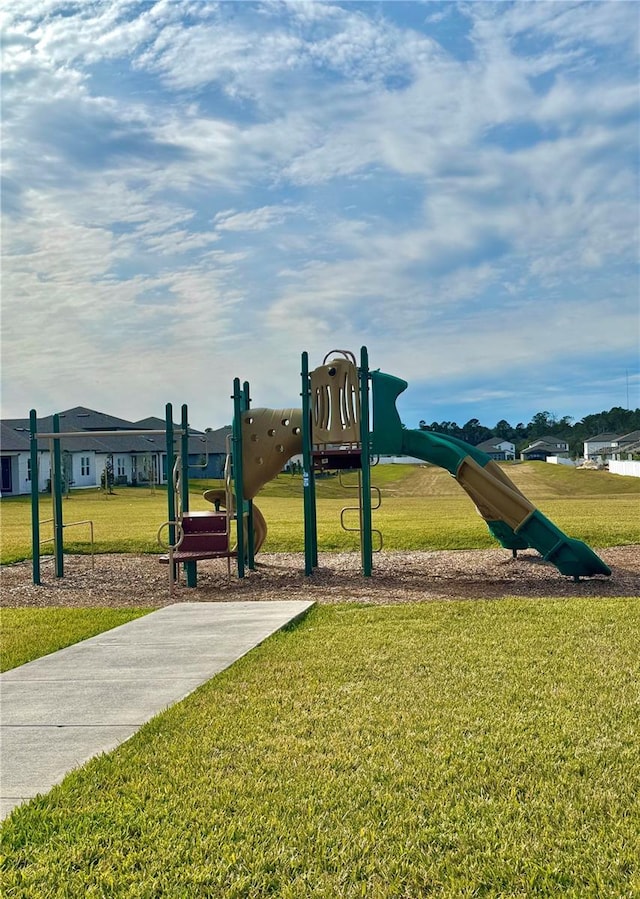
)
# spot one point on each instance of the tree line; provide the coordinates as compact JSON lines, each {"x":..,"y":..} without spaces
{"x":614,"y":421}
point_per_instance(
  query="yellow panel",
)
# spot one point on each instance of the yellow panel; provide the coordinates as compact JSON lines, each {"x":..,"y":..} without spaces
{"x":335,"y":403}
{"x":269,"y":438}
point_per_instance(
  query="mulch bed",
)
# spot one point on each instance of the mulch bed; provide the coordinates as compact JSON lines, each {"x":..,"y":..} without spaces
{"x":139,"y":580}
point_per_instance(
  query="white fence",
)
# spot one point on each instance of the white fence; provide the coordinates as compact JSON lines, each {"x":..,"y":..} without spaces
{"x":560,"y":460}
{"x":629,"y":468}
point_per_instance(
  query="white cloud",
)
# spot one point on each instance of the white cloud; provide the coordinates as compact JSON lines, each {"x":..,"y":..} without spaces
{"x":229,"y":184}
{"x":253,"y":220}
{"x":568,"y":24}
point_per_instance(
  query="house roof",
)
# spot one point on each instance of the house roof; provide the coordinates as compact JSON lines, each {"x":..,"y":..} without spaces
{"x":494,"y":444}
{"x":547,"y":445}
{"x":121,"y":442}
{"x":153,"y":423}
{"x":200,"y":442}
{"x":85,"y":419}
{"x":551,"y":439}
{"x":14,"y":437}
{"x":15,"y":434}
{"x":631,"y":437}
{"x":598,"y":438}
{"x":131,"y":443}
{"x":628,"y":443}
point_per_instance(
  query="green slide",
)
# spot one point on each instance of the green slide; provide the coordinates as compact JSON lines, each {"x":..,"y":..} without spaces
{"x":510,"y":517}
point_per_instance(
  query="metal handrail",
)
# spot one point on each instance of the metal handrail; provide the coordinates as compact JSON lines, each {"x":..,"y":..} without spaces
{"x":346,"y":353}
{"x":229,"y":499}
{"x":179,"y":530}
{"x":204,"y":464}
{"x":171,"y":547}
{"x":71,"y":524}
{"x":175,"y":481}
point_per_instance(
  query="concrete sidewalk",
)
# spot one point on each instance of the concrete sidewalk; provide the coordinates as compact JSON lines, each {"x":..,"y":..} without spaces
{"x":60,"y":710}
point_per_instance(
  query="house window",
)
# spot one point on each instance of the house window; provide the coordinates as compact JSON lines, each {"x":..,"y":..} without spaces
{"x":84,"y":465}
{"x":120,"y":467}
{"x":28,"y":469}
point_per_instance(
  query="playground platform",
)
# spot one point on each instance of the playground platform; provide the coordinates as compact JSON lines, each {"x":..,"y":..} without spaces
{"x":62,"y":709}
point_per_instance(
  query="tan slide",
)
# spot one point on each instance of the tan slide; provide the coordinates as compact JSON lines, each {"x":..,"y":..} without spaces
{"x":217,"y":496}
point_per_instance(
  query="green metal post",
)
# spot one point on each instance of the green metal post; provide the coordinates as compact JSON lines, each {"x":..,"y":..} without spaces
{"x":191,"y":568}
{"x":56,"y":488}
{"x":238,"y":485}
{"x":251,"y":547}
{"x":312,"y":481}
{"x":366,"y":544}
{"x":314,"y":519}
{"x":184,"y":459}
{"x":171,"y":503}
{"x":308,"y":481}
{"x":35,"y":497}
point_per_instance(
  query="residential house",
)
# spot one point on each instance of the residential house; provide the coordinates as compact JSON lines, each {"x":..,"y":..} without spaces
{"x":620,"y":448}
{"x":207,"y":449}
{"x":136,"y":459}
{"x":15,"y":458}
{"x":540,"y":449}
{"x":500,"y":450}
{"x":594,"y":445}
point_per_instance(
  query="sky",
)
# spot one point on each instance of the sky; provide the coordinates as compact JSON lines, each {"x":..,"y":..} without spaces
{"x":197,"y":191}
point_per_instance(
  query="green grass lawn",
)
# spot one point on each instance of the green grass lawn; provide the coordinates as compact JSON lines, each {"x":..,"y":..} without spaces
{"x":423,"y":508}
{"x":128,"y":521}
{"x":27,"y":634}
{"x":450,"y":749}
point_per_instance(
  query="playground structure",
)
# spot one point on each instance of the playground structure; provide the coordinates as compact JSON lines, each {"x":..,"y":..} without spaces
{"x":178,"y":499}
{"x":348,"y":418}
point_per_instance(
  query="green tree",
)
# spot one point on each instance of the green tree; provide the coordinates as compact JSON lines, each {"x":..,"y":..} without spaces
{"x":542,"y":423}
{"x":474,"y":432}
{"x":107,"y":476}
{"x":504,"y":430}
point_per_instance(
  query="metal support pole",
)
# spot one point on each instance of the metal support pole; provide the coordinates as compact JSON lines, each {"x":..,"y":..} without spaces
{"x":184,"y":459}
{"x":308,"y":480}
{"x":314,"y":514}
{"x":56,"y":488}
{"x":251,"y":544}
{"x":366,"y":544}
{"x":238,"y":485}
{"x":171,"y":503}
{"x":191,"y":567}
{"x":35,"y":497}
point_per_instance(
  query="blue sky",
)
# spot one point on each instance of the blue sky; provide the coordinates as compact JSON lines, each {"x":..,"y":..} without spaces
{"x":194,"y":191}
